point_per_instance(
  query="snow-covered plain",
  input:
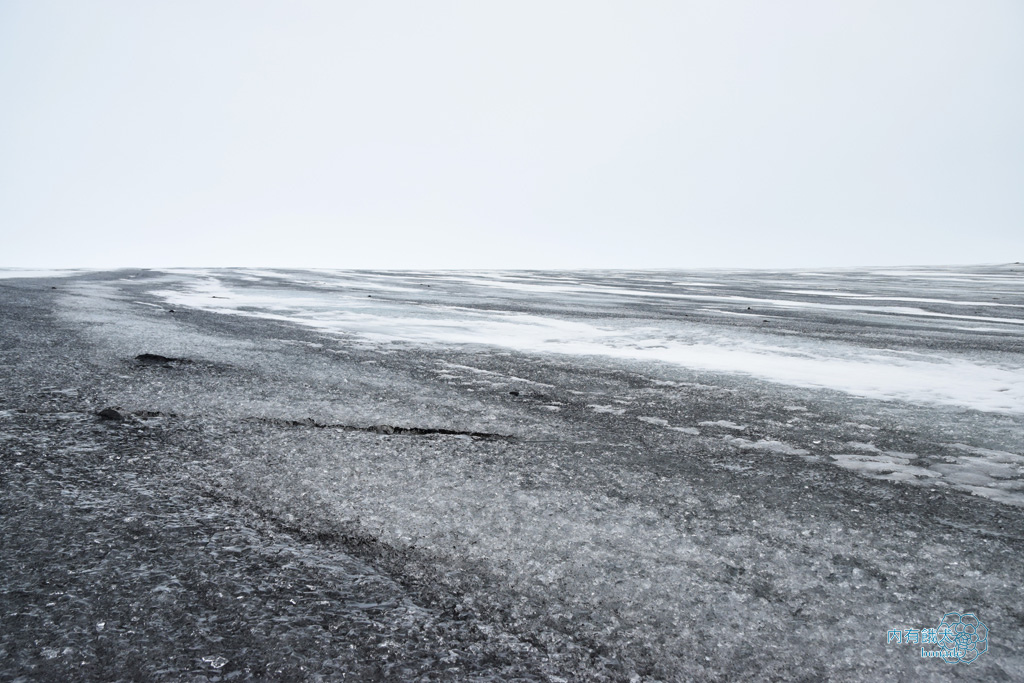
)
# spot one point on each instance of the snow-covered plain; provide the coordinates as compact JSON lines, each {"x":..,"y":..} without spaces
{"x":403,"y":313}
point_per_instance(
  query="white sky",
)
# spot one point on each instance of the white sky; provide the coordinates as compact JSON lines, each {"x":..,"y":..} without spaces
{"x":511,"y":134}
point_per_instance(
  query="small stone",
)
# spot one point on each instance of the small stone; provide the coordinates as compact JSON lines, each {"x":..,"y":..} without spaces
{"x":384,"y":429}
{"x":111,"y":413}
{"x":154,"y":359}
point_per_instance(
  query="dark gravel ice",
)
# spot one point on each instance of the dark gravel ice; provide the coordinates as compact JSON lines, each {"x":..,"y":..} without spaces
{"x":309,"y":475}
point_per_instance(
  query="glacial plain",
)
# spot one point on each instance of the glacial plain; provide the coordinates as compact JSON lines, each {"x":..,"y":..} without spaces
{"x":235,"y":474}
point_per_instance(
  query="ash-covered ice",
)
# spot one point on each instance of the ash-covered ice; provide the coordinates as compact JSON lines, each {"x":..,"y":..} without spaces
{"x":509,"y":476}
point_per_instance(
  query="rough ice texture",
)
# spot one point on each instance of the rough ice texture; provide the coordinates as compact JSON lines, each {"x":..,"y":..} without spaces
{"x":666,"y":523}
{"x":339,"y":303}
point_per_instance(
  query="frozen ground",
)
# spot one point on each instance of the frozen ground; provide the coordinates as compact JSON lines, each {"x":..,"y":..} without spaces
{"x":492,"y":476}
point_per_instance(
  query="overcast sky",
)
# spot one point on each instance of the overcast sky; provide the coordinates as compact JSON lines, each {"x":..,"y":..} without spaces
{"x":511,"y":134}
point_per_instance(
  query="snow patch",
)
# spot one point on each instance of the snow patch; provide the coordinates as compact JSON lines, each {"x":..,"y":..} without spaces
{"x":861,"y":446}
{"x":768,"y":445}
{"x":606,"y":409}
{"x":723,"y":423}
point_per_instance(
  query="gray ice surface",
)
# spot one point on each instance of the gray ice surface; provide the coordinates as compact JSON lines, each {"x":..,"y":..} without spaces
{"x":563,"y":469}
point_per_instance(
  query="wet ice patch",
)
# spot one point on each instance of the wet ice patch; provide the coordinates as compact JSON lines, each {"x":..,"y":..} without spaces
{"x":978,"y":475}
{"x":773,"y":446}
{"x":991,"y":455}
{"x":611,"y":410}
{"x":726,"y":424}
{"x":998,"y":475}
{"x":861,"y":446}
{"x":660,"y":422}
{"x":500,"y":378}
{"x":767,"y":445}
{"x":964,"y":473}
{"x":1001,"y":493}
{"x":882,"y":466}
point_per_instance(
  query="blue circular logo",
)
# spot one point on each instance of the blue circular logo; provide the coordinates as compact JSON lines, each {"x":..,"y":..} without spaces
{"x":964,"y":636}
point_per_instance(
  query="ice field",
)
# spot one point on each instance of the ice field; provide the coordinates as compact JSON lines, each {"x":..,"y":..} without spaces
{"x":794,"y":329}
{"x":551,"y":476}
